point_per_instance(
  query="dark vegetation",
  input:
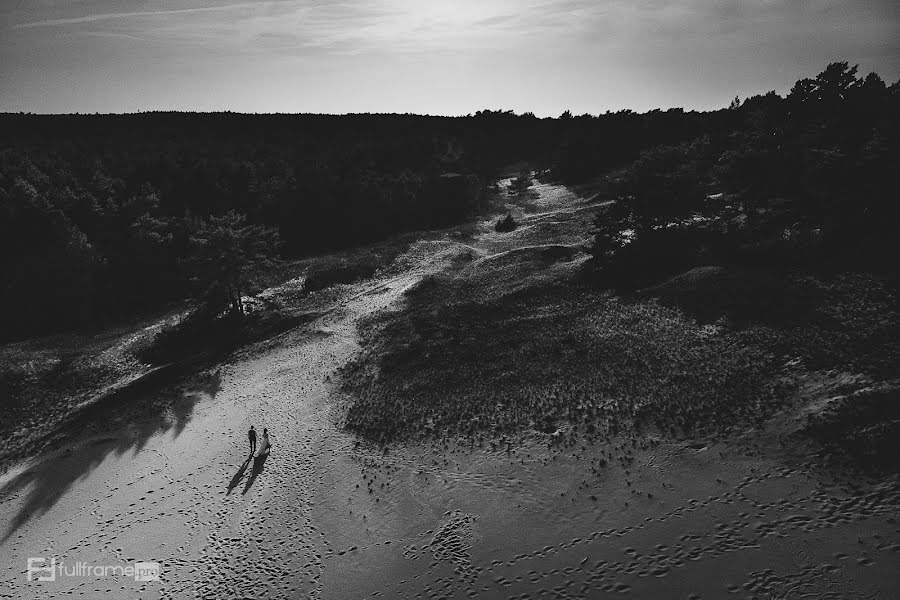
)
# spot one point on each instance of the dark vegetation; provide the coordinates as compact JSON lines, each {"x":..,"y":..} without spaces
{"x":505,"y":224}
{"x":563,"y":359}
{"x":862,"y":424}
{"x":785,"y":220}
{"x":730,"y":262}
{"x":199,"y":337}
{"x":520,"y":183}
{"x":205,"y":336}
{"x":493,"y":360}
{"x":103,"y":216}
{"x":795,"y":183}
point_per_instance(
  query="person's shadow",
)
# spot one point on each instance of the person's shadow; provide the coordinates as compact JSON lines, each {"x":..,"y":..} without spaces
{"x":258,"y":464}
{"x":237,"y":476}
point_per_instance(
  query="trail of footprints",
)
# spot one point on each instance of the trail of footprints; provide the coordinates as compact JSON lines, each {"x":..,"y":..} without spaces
{"x":243,"y":546}
{"x":275,"y":545}
{"x":278,"y":547}
{"x":583,"y":575}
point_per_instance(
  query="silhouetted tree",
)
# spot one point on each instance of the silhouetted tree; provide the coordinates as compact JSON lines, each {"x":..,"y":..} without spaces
{"x":520,"y":184}
{"x":227,"y":257}
{"x":505,"y":224}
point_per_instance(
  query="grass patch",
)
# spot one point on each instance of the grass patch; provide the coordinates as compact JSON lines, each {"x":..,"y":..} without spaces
{"x":845,"y":320}
{"x":201,"y":337}
{"x":551,"y":357}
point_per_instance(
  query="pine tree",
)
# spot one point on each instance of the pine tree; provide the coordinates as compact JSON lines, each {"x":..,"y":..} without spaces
{"x":227,"y":256}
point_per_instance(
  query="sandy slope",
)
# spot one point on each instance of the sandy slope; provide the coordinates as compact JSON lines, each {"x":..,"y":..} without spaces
{"x":327,"y":517}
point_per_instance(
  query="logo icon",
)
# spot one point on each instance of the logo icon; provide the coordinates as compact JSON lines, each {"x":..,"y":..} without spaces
{"x":38,"y":565}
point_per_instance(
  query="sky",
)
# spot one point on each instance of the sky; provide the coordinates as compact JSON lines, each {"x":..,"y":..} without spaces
{"x":446,"y":57}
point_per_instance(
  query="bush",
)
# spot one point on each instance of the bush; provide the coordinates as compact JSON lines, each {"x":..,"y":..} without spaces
{"x":506,"y":224}
{"x":654,"y":254}
{"x":521,"y":183}
{"x":200,"y":332}
{"x":325,"y":276}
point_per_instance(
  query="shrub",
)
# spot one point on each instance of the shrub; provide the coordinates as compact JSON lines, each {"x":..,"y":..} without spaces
{"x":521,"y":183}
{"x":200,"y":332}
{"x":506,"y":224}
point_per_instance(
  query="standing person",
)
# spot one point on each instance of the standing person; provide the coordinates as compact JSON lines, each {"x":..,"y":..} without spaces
{"x":265,"y":445}
{"x":252,"y":436}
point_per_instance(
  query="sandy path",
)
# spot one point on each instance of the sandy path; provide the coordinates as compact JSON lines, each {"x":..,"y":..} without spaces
{"x":326,"y":517}
{"x":183,"y":498}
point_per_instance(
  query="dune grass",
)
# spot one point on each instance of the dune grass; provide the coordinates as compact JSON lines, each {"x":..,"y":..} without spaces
{"x":558,"y":357}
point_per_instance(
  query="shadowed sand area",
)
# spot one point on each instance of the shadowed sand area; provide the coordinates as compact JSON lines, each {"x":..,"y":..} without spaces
{"x":738,"y":511}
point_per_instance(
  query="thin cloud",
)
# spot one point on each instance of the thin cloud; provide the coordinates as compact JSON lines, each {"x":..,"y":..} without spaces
{"x":111,"y":35}
{"x":450,"y":56}
{"x":147,"y":13}
{"x":350,"y":26}
{"x":405,"y":26}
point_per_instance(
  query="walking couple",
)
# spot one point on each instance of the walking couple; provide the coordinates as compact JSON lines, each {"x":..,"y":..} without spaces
{"x":264,"y":446}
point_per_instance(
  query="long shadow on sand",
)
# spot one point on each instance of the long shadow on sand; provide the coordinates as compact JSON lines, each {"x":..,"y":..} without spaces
{"x":131,"y":416}
{"x":258,"y":463}
{"x":239,"y":475}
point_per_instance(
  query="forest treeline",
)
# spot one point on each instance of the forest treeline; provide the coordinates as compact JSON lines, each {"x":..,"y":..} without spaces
{"x":782,"y":225}
{"x":104,"y":216}
{"x":801,"y":181}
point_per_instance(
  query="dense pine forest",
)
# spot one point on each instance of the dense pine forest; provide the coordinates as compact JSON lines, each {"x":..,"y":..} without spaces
{"x":801,"y":181}
{"x":102,"y":216}
{"x":107,"y":216}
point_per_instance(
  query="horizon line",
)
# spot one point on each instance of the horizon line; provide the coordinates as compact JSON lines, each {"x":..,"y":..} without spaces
{"x":350,"y":114}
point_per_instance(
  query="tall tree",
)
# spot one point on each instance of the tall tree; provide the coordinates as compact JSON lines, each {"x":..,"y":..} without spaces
{"x":227,"y":257}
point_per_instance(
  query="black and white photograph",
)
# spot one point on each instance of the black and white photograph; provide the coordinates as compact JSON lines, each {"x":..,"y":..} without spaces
{"x":449,"y":299}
